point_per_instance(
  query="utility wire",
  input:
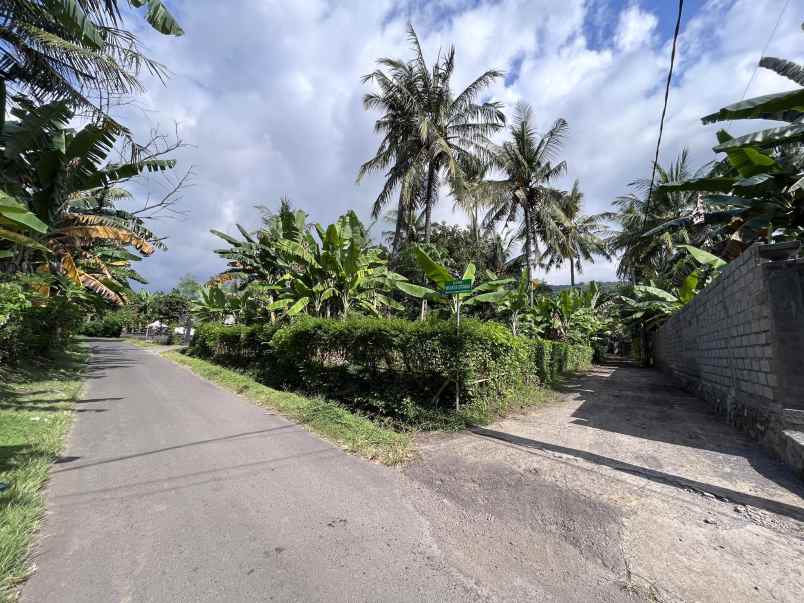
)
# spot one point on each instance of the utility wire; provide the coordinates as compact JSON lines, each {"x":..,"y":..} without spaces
{"x":764,"y":50}
{"x":666,"y":97}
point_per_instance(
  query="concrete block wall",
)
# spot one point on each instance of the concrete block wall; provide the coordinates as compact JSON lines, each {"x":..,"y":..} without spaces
{"x":739,"y":343}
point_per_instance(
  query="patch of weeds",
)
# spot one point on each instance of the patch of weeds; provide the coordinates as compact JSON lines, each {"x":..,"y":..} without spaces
{"x":35,"y":415}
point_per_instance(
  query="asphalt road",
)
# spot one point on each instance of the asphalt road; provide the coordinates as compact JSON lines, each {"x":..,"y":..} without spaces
{"x":172,"y":489}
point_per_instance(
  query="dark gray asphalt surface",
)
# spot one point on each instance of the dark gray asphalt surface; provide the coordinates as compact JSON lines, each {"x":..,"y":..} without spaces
{"x":172,"y":489}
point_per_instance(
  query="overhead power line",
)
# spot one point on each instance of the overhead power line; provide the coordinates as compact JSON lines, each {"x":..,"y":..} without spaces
{"x":764,"y":50}
{"x":666,"y":97}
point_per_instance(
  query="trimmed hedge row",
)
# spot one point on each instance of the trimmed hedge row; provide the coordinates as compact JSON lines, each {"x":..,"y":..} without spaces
{"x":392,"y":367}
{"x":234,"y":346}
{"x":108,"y":326}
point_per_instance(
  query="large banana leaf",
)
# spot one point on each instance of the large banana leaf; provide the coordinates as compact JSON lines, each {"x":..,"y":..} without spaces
{"x":704,"y":257}
{"x":764,"y":138}
{"x":122,"y":171}
{"x":231,"y":240}
{"x":70,"y":15}
{"x":491,"y":297}
{"x":760,"y":107}
{"x":101,"y":233}
{"x":21,"y":239}
{"x":435,"y":272}
{"x":94,"y":284}
{"x":69,"y":268}
{"x":715,"y":184}
{"x":417,"y":291}
{"x":93,"y":142}
{"x":14,"y":212}
{"x":655,"y":292}
{"x":159,"y":17}
{"x":747,"y":161}
{"x":787,"y":69}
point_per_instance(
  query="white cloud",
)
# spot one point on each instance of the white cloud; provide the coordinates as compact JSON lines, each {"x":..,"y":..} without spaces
{"x":635,"y":29}
{"x":269,"y":93}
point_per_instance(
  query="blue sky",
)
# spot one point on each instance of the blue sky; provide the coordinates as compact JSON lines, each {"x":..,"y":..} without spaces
{"x":268,"y":93}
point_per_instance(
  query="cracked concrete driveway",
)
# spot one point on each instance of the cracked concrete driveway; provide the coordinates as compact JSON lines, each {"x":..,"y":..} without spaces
{"x":636,"y":478}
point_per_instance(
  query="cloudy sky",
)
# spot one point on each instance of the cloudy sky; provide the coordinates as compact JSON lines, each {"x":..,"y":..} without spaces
{"x":268,"y":93}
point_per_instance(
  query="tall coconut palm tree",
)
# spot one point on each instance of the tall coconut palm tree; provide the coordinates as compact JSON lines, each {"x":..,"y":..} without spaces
{"x":643,"y":258}
{"x":581,"y":236}
{"x":429,"y":134}
{"x":475,"y":196}
{"x":527,"y":161}
{"x":74,"y":50}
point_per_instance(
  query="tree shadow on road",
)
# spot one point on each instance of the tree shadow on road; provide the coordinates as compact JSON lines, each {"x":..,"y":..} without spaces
{"x":235,"y":436}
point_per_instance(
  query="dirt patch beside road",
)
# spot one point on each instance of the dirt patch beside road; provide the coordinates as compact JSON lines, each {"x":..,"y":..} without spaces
{"x":627,"y":487}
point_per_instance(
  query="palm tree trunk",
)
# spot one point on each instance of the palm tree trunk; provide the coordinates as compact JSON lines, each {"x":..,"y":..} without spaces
{"x":428,"y":201}
{"x":572,"y":273}
{"x":528,"y":254}
{"x":400,"y":218}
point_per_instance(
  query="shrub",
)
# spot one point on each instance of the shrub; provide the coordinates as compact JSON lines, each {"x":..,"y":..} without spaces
{"x":235,"y":346}
{"x":394,"y":368}
{"x":32,"y":325}
{"x":399,"y":368}
{"x":108,"y":326}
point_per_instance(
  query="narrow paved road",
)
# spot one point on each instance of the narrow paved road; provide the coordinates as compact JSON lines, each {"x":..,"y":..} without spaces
{"x":174,"y":490}
{"x":624,"y":488}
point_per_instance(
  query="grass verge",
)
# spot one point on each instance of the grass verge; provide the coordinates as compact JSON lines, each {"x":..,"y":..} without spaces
{"x":35,"y":414}
{"x":142,"y":343}
{"x":353,"y":432}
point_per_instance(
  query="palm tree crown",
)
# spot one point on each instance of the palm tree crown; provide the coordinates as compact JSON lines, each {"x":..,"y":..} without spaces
{"x":527,"y":161}
{"x":581,"y":236}
{"x":429,"y":134}
{"x":642,"y":258}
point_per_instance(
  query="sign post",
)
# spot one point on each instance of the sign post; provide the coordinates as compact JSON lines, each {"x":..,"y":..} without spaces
{"x":455,"y":288}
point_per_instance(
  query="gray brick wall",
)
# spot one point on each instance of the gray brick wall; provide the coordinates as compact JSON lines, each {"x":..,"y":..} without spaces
{"x":739,"y":343}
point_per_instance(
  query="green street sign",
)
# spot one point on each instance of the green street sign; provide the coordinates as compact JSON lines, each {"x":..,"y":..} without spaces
{"x":462,"y":286}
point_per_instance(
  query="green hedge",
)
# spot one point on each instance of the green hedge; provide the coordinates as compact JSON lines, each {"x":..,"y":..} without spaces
{"x":394,"y":368}
{"x":235,"y":346}
{"x":108,"y":326}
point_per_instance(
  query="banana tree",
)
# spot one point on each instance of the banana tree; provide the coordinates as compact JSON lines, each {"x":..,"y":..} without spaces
{"x":215,"y":304}
{"x":439,"y":275}
{"x":757,"y":192}
{"x":69,"y":191}
{"x":513,"y":302}
{"x":572,"y":314}
{"x":340,"y":265}
{"x":651,"y":305}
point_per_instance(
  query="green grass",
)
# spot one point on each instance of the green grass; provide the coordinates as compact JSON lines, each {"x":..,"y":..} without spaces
{"x":352,"y":432}
{"x":141,"y":343}
{"x":35,"y":415}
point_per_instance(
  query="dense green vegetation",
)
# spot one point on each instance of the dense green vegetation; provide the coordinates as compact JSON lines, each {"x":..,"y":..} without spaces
{"x":674,"y":239}
{"x":395,"y":369}
{"x":68,"y":233}
{"x":69,"y":230}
